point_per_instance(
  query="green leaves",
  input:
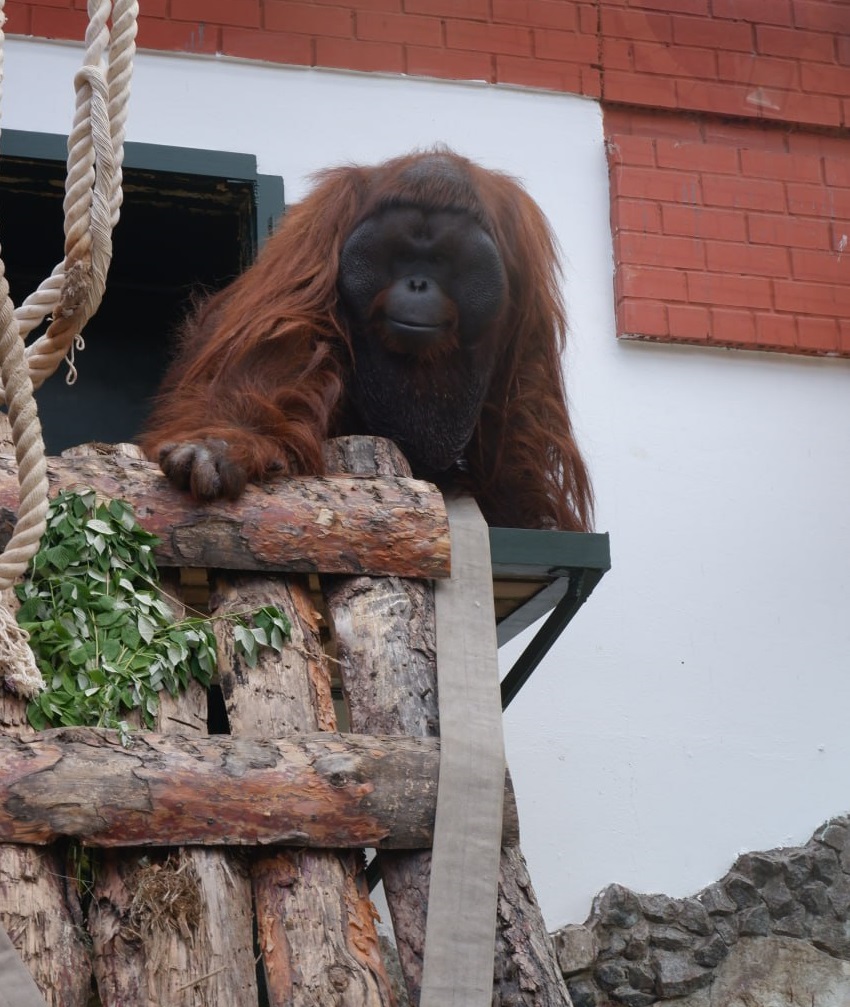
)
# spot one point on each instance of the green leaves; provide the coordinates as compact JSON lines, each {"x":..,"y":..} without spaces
{"x":104,"y":639}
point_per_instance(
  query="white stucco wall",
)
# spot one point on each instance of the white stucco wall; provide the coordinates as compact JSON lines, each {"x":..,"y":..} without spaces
{"x":698,"y":705}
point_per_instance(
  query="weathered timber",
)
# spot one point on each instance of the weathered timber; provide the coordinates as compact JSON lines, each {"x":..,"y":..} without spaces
{"x":173,"y":926}
{"x":324,"y":790}
{"x":384,"y":634}
{"x":39,"y":898}
{"x":338,"y":524}
{"x":315,"y":921}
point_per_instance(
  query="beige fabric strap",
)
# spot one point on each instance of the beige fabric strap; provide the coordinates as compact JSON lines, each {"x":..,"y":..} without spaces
{"x":461,"y":927}
{"x":17,"y":987}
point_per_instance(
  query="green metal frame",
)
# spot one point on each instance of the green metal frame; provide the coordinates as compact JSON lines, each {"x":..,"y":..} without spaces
{"x":569,"y":566}
{"x":268,"y":189}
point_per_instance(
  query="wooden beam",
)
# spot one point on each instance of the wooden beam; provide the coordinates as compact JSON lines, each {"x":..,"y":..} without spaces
{"x":339,"y":524}
{"x":318,"y":790}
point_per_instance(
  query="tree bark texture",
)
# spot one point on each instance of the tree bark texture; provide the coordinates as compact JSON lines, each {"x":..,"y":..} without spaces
{"x":339,"y":525}
{"x":39,"y":895}
{"x":173,"y":926}
{"x":315,"y":921}
{"x":384,"y":632}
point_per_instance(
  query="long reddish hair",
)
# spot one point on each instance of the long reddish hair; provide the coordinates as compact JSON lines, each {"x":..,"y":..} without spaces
{"x":264,"y":363}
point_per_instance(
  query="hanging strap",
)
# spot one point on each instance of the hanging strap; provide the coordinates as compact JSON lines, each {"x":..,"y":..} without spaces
{"x":17,"y":987}
{"x":461,"y":927}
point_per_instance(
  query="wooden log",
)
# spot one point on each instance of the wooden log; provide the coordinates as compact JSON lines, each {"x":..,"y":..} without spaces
{"x":324,"y":790}
{"x":173,"y":926}
{"x":315,"y":921}
{"x":385,"y":644}
{"x":339,"y":525}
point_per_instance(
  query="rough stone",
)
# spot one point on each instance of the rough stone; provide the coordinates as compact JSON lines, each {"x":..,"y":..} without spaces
{"x":676,"y":975}
{"x":754,"y":922}
{"x":814,"y":897}
{"x":616,"y":906}
{"x":641,"y":978}
{"x":839,"y":897}
{"x":832,"y":936}
{"x":669,"y":937}
{"x":741,"y":891}
{"x":659,"y":908}
{"x":610,"y":975}
{"x":758,"y":867}
{"x":834,"y":834}
{"x":576,"y":948}
{"x":694,"y":917}
{"x":792,"y":925}
{"x":777,"y":897}
{"x":712,"y":952}
{"x":633,"y":998}
{"x":637,"y":945}
{"x":582,"y":993}
{"x":727,"y":928}
{"x":798,"y":868}
{"x":825,"y":865}
{"x":716,"y":901}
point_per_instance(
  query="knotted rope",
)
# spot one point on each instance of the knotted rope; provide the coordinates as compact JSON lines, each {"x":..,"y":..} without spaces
{"x":71,"y":294}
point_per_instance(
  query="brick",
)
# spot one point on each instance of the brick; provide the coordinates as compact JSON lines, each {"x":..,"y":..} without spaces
{"x":624,"y":86}
{"x":689,"y":321}
{"x":379,"y":26}
{"x":653,"y":284}
{"x":776,"y":331}
{"x":821,"y":15}
{"x":273,"y":47}
{"x":844,"y":336}
{"x":722,"y":290}
{"x":643,"y":122}
{"x":389,"y":6}
{"x":743,"y":193}
{"x":473,"y":9}
{"x":243,"y":13}
{"x":473,"y":36}
{"x":821,"y":78}
{"x":668,"y":186}
{"x":818,"y":144}
{"x":793,"y":42}
{"x":352,"y":54}
{"x":758,"y":71}
{"x":537,"y":13}
{"x":674,"y":6}
{"x":591,"y":82}
{"x":629,"y":24}
{"x":824,"y":267}
{"x":552,"y":75}
{"x":54,"y":23}
{"x":735,"y":328}
{"x":712,"y":34}
{"x":565,"y":45}
{"x":842,"y":50}
{"x":723,"y":98}
{"x":18,"y":18}
{"x":697,"y":157}
{"x":674,"y":62}
{"x":818,"y":200}
{"x":702,"y":222}
{"x":634,"y":150}
{"x":760,"y":136}
{"x":617,"y":54}
{"x":788,"y":232}
{"x":55,"y":3}
{"x":839,"y":237}
{"x":660,"y":250}
{"x":178,"y":36}
{"x":636,"y":215}
{"x":588,"y":18}
{"x":307,"y":19}
{"x":754,"y":11}
{"x":747,"y":260}
{"x":789,"y":167}
{"x":817,"y":334}
{"x":828,"y":299}
{"x":643,"y":318}
{"x":451,"y":64}
{"x":814,"y":109}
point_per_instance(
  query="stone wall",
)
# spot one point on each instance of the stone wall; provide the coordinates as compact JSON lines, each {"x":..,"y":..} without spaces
{"x":780,"y":914}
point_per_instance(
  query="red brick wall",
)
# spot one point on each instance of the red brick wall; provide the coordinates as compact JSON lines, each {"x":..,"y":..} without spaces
{"x":786,"y":60}
{"x":730,"y":235}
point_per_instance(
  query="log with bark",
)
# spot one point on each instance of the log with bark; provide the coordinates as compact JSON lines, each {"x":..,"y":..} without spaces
{"x":315,"y":921}
{"x":338,"y":525}
{"x":384,"y":634}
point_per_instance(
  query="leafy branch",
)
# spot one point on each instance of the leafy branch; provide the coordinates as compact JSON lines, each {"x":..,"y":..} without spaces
{"x":104,"y":638}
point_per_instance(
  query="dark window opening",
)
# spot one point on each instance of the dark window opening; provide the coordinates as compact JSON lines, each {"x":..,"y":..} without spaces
{"x":181,"y":233}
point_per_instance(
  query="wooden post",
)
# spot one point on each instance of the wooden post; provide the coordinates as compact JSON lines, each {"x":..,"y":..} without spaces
{"x":384,"y":633}
{"x":315,"y":922}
